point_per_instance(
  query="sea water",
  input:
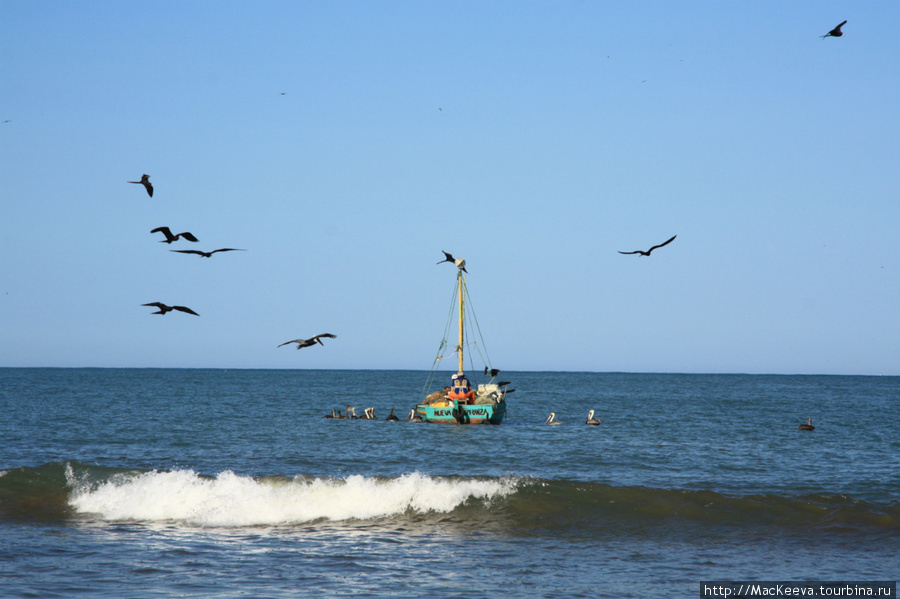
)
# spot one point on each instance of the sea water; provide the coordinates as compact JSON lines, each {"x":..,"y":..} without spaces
{"x":230,"y":483}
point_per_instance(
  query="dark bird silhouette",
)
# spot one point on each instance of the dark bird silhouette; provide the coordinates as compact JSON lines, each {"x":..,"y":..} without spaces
{"x":809,"y":425}
{"x":164,"y":308}
{"x":493,"y":371}
{"x":170,"y":238}
{"x":311,"y":341}
{"x":145,"y":181}
{"x":392,"y":417}
{"x":207,"y":254}
{"x":459,"y":262}
{"x":836,"y":32}
{"x":647,"y":253}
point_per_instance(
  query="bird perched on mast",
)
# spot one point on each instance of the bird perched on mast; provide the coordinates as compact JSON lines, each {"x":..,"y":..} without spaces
{"x":459,"y":262}
{"x":145,"y":181}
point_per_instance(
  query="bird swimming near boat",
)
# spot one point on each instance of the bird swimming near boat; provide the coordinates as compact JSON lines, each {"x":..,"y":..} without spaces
{"x":311,"y":341}
{"x":809,"y":425}
{"x":591,"y":421}
{"x":459,"y":262}
{"x":493,"y":371}
{"x":836,"y":32}
{"x":170,"y":237}
{"x":145,"y":181}
{"x":551,"y":419}
{"x":207,"y":254}
{"x":392,"y":417}
{"x":164,"y":308}
{"x":647,"y":253}
{"x":414,"y":416}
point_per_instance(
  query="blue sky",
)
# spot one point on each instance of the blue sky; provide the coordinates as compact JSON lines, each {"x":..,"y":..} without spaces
{"x":345,"y":144}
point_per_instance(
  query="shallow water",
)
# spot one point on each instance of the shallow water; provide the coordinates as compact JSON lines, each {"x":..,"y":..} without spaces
{"x":221,"y":483}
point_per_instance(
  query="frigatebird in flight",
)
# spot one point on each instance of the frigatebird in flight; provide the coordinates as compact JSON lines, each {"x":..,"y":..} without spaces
{"x":492,"y":371}
{"x":836,"y":32}
{"x":459,"y":262}
{"x":647,"y":253}
{"x":207,"y":254}
{"x":164,"y":308}
{"x":170,"y":238}
{"x":145,"y":181}
{"x":311,"y":341}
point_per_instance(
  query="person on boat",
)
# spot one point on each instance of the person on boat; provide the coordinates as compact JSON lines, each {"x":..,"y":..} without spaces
{"x":460,"y":388}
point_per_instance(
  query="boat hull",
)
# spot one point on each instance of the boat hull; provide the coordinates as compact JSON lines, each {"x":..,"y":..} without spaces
{"x":456,"y":413}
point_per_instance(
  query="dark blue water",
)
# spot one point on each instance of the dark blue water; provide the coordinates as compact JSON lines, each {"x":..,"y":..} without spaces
{"x":214,"y":483}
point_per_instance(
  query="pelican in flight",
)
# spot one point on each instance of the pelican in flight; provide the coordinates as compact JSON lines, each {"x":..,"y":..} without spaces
{"x":311,"y":341}
{"x":145,"y":181}
{"x":647,"y":253}
{"x":551,"y":419}
{"x":207,"y":254}
{"x":459,"y":262}
{"x":591,"y":420}
{"x":164,"y":308}
{"x":836,"y":32}
{"x":170,"y":238}
{"x":809,"y":425}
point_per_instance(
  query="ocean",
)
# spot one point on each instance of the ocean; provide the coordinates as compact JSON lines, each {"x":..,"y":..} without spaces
{"x":230,"y":483}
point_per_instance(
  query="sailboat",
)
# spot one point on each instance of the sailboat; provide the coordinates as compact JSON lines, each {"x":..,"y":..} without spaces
{"x":460,"y":402}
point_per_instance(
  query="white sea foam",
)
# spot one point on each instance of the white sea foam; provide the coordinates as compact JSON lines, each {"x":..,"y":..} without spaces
{"x":232,"y":500}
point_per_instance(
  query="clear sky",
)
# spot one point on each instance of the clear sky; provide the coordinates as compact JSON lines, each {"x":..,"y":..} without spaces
{"x":345,"y":144}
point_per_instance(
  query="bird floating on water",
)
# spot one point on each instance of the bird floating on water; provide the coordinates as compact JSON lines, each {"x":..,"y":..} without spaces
{"x":164,"y":308}
{"x":836,"y":32}
{"x":647,"y":253}
{"x":414,"y":416}
{"x":809,"y":425}
{"x":392,"y":417}
{"x":207,"y":254}
{"x":311,"y":341}
{"x":591,"y":421}
{"x":551,"y":419}
{"x":459,"y":262}
{"x":170,"y":237}
{"x":145,"y":181}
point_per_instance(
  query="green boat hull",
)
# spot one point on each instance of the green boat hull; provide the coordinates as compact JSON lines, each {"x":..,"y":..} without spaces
{"x":456,"y":413}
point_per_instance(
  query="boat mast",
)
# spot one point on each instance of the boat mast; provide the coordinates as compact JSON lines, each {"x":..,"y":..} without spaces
{"x":459,"y":284}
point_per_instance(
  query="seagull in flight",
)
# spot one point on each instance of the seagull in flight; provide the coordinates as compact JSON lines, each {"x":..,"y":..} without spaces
{"x":164,"y":308}
{"x":311,"y":341}
{"x":836,"y":32}
{"x":459,"y":262}
{"x":207,"y":254}
{"x":647,"y":253}
{"x":145,"y":181}
{"x":170,"y":238}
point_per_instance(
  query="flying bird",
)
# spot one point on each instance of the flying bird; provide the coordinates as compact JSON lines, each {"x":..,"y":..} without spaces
{"x":647,"y":253}
{"x":164,"y":308}
{"x":836,"y":32}
{"x":207,"y":254}
{"x":459,"y":262}
{"x":145,"y":181}
{"x":493,"y":371}
{"x":170,"y":238}
{"x":311,"y":341}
